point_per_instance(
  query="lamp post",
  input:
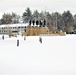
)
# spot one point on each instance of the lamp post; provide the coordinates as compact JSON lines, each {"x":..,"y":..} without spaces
{"x":46,"y":16}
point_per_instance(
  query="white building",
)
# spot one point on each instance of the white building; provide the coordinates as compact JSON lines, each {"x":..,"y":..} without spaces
{"x":13,"y":27}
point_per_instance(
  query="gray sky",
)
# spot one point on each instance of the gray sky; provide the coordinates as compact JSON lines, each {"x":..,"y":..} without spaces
{"x":19,"y":6}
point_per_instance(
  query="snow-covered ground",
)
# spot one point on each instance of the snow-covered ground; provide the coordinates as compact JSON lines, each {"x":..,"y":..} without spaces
{"x":56,"y":55}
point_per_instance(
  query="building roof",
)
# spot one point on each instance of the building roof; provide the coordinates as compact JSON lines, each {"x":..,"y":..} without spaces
{"x":14,"y":25}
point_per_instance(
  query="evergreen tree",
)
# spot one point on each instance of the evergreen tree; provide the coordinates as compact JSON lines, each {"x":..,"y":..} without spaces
{"x":15,"y":18}
{"x":58,"y":20}
{"x":41,"y":15}
{"x":75,"y":22}
{"x":27,"y":15}
{"x":47,"y":18}
{"x":54,"y":21}
{"x":36,"y":14}
{"x":68,"y":21}
{"x":6,"y":18}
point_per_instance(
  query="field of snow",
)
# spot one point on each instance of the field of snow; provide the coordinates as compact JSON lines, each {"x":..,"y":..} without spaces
{"x":56,"y":55}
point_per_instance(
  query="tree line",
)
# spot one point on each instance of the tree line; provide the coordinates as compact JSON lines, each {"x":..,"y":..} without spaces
{"x":55,"y":21}
{"x":8,"y":18}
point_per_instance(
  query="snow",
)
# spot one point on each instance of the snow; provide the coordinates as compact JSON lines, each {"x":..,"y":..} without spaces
{"x":56,"y":55}
{"x":14,"y":25}
{"x":18,"y":24}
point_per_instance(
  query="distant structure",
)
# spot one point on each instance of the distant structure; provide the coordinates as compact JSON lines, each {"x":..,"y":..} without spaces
{"x":33,"y":28}
{"x":39,"y":27}
{"x":13,"y":29}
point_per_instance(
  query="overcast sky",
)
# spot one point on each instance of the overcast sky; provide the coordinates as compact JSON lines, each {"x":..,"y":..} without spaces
{"x":19,"y":6}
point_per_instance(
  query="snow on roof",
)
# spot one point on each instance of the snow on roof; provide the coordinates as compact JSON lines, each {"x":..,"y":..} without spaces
{"x":14,"y":25}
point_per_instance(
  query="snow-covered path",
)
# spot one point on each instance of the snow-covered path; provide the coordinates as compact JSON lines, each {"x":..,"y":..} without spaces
{"x":56,"y":55}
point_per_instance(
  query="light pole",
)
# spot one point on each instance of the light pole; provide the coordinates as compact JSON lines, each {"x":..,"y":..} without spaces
{"x":46,"y":16}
